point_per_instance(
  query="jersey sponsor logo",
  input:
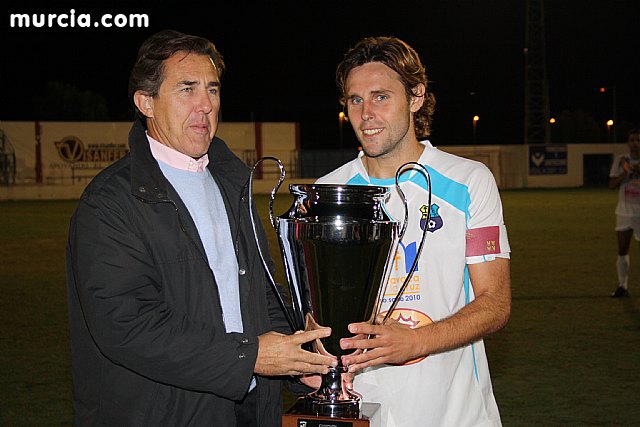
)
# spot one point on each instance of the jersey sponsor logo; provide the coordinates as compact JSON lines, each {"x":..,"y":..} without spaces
{"x":407,"y":253}
{"x":413,"y":319}
{"x":632,"y":188}
{"x":435,"y":220}
{"x":405,"y":257}
{"x":411,"y":292}
{"x":410,"y":252}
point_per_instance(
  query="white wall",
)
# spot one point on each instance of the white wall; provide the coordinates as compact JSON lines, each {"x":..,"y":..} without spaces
{"x":510,"y":163}
{"x":67,"y":168}
{"x":74,"y":152}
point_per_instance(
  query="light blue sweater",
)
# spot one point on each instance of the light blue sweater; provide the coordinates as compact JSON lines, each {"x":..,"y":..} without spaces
{"x":201,"y":195}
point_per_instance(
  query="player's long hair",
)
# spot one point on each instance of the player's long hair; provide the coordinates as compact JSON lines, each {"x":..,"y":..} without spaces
{"x":401,"y":58}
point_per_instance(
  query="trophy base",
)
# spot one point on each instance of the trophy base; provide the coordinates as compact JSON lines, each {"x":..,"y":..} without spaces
{"x":299,"y":416}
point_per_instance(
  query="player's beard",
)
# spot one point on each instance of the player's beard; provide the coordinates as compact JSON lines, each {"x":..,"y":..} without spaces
{"x":391,"y":144}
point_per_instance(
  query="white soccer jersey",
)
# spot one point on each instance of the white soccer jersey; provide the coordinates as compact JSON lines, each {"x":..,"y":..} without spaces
{"x":629,"y":192}
{"x":466,"y":226}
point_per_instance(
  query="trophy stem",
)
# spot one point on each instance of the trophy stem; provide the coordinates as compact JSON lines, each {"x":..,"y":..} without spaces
{"x":332,"y":399}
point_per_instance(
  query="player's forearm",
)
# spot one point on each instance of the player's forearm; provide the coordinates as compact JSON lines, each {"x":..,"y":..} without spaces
{"x":615,"y":181}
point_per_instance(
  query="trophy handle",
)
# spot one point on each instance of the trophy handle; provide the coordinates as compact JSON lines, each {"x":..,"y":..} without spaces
{"x":272,"y":197}
{"x":399,"y":172}
{"x":275,"y":225}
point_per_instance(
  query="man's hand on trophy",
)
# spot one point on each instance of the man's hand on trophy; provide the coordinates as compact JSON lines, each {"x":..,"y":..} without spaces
{"x":312,"y":325}
{"x":280,"y":354}
{"x":390,"y":343}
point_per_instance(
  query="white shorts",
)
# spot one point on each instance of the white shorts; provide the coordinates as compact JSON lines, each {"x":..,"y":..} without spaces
{"x":626,"y":222}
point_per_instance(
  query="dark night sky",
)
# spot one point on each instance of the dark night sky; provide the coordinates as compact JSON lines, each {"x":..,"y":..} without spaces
{"x":281,"y":58}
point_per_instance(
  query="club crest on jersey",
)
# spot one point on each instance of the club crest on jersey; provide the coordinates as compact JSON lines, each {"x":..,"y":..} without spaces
{"x":435,"y":220}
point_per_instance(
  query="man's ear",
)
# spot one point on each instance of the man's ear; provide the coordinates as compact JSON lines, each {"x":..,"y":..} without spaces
{"x":144,"y":103}
{"x":418,"y":99}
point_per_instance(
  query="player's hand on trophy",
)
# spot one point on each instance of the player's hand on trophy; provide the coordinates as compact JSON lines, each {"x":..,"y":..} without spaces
{"x":280,"y":354}
{"x":390,"y":343}
{"x":347,"y":380}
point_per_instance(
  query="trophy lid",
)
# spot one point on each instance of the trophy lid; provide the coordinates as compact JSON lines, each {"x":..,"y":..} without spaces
{"x":347,"y":193}
{"x":349,"y":202}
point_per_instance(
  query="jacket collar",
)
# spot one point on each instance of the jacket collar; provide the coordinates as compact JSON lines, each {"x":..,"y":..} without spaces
{"x":147,"y":180}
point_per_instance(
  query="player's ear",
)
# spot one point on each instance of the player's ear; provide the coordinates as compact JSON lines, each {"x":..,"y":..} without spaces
{"x":417,"y":99}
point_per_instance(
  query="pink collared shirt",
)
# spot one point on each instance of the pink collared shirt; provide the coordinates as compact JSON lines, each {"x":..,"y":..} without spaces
{"x":176,"y":159}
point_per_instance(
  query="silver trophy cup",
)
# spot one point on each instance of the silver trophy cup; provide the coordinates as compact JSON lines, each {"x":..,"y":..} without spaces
{"x":337,"y":243}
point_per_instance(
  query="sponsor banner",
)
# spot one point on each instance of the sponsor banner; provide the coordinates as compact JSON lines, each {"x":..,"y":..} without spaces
{"x":548,"y":159}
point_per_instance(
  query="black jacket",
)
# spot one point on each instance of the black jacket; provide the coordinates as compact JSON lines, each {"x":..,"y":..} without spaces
{"x":148,"y":342}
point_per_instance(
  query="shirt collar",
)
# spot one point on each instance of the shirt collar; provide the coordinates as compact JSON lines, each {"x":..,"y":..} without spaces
{"x":176,"y":159}
{"x":363,"y":171}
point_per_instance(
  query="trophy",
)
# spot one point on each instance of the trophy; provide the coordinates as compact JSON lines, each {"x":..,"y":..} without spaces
{"x":337,"y":244}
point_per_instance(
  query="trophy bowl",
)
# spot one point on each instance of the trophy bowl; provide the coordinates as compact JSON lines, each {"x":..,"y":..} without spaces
{"x":337,"y":244}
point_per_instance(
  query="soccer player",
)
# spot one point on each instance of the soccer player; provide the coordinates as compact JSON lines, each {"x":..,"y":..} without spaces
{"x":426,"y":364}
{"x":625,"y":176}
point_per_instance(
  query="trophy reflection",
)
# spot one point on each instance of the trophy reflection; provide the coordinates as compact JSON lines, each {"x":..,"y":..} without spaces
{"x":337,"y":243}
